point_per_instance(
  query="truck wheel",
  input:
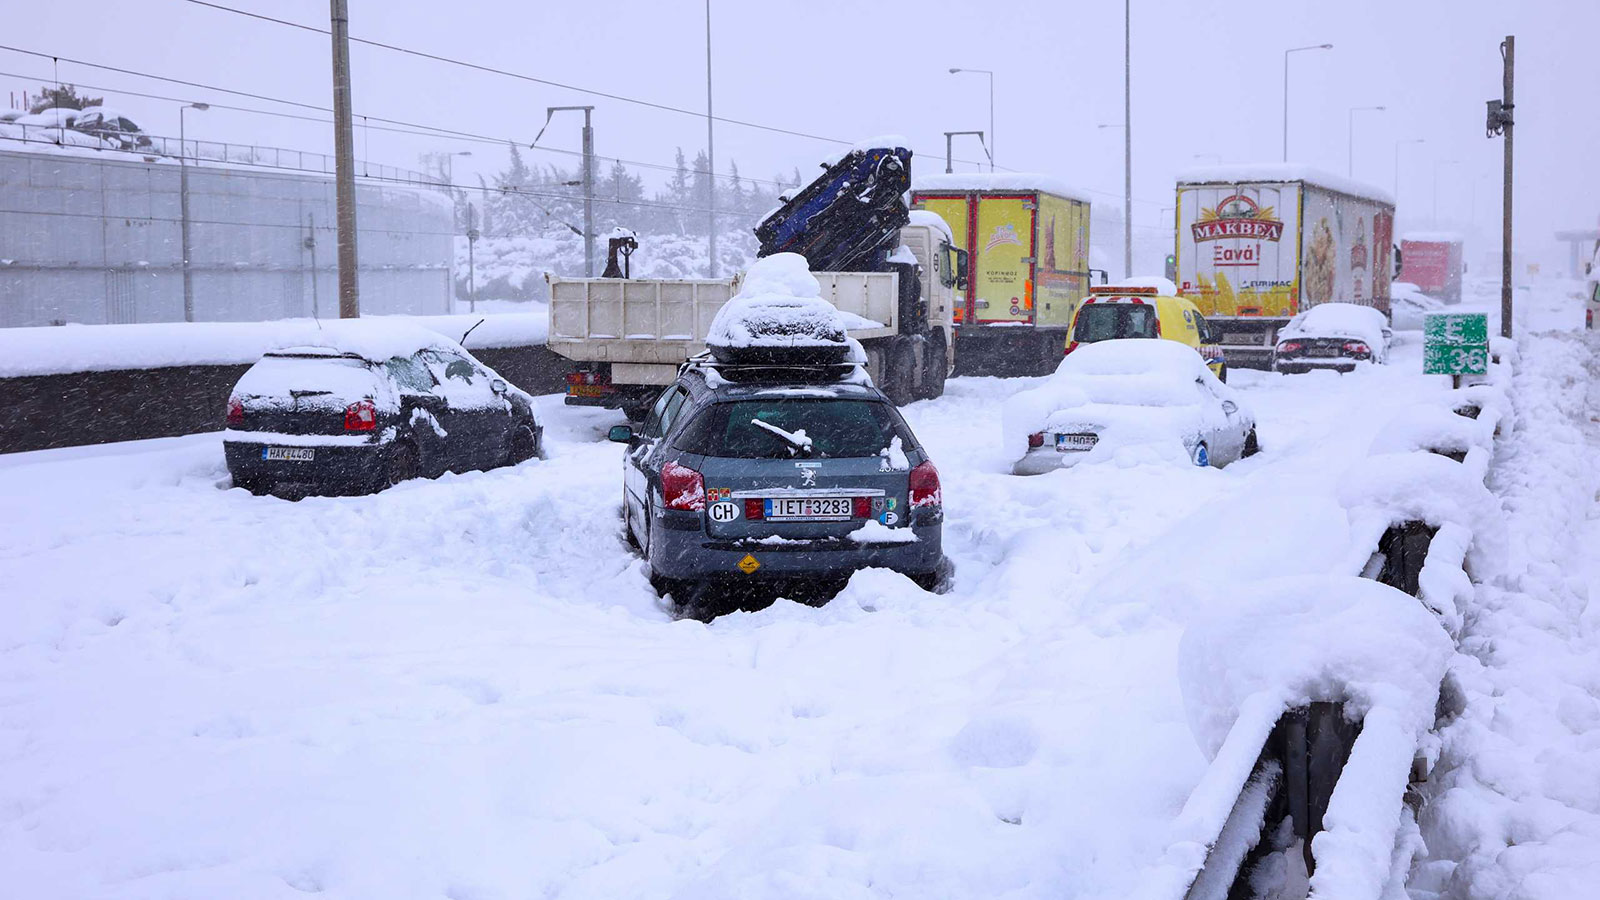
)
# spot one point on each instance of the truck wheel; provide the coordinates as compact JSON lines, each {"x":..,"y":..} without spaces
{"x":899,"y":360}
{"x":1051,"y":349}
{"x":934,"y":365}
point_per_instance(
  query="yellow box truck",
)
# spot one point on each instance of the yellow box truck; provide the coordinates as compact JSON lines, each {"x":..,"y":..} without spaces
{"x":1027,"y":239}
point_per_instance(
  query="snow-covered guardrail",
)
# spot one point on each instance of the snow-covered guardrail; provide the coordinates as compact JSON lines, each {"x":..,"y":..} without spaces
{"x":70,"y":385}
{"x":1421,"y":520}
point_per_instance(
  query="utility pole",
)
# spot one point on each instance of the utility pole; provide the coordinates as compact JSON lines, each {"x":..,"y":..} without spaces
{"x":472,"y":267}
{"x":1500,"y":122}
{"x":588,"y":177}
{"x":711,"y":157}
{"x":344,"y":165}
{"x":186,"y":243}
{"x":1127,"y":138}
{"x":311,"y":245}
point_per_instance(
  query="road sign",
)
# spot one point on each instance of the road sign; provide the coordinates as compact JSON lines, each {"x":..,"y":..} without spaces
{"x":1455,"y":344}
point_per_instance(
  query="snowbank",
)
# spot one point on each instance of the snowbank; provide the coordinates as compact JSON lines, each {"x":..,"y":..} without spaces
{"x":1296,"y":640}
{"x":54,"y":350}
{"x":998,"y":181}
{"x":1241,"y":173}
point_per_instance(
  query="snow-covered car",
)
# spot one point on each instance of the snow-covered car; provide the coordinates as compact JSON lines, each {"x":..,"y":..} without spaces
{"x":371,"y":407}
{"x":51,"y":117}
{"x":1337,"y":336}
{"x":1112,"y":395}
{"x":1408,"y":306}
{"x":112,"y":127}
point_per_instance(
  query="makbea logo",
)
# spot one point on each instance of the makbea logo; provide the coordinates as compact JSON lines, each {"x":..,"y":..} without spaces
{"x":1237,"y":217}
{"x":1003,"y":234}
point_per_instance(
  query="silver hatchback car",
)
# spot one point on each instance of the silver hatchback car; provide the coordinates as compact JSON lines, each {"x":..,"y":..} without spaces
{"x":749,"y":482}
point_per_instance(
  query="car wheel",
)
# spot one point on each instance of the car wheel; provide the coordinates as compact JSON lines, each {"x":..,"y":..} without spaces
{"x":1251,"y":445}
{"x":1201,"y":456}
{"x":627,"y":524}
{"x":524,"y":444}
{"x":400,"y":465}
{"x":936,"y":367}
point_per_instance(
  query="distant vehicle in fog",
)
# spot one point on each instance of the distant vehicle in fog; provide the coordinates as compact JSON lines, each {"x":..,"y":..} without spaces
{"x":1408,"y":306}
{"x":1337,"y":336}
{"x":372,"y":408}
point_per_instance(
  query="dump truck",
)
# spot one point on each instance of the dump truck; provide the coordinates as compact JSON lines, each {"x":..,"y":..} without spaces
{"x":895,"y":273}
{"x":1027,"y":239}
{"x":1432,"y":261}
{"x":1258,"y":244}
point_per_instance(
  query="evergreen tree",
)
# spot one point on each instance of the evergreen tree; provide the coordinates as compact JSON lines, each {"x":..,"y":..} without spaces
{"x":64,"y":97}
{"x":737,"y":199}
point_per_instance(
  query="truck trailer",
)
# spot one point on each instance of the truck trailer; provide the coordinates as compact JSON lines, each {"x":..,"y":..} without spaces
{"x":1027,"y":239}
{"x":1259,"y":244}
{"x":1432,"y":261}
{"x":894,"y":272}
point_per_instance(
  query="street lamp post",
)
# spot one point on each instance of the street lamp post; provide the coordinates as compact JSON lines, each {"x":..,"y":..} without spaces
{"x":183,"y":208}
{"x":990,"y":145}
{"x":1443,"y":162}
{"x":588,"y":178}
{"x":1350,"y":159}
{"x":472,"y":269}
{"x":1286,"y":90}
{"x":1397,"y":146}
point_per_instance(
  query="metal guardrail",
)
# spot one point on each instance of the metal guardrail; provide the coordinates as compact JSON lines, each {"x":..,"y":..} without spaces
{"x":198,"y":152}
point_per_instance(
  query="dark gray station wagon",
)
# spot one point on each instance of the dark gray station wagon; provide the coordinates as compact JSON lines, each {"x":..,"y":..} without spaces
{"x":753,"y":480}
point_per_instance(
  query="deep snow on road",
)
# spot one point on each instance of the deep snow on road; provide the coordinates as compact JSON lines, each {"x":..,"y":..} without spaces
{"x":466,"y":688}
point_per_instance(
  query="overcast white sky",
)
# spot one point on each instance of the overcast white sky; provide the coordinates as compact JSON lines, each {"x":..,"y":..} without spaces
{"x":1207,"y":84}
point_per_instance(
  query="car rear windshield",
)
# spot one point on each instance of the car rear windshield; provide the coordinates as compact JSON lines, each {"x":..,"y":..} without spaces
{"x":1109,"y":321}
{"x":786,"y":428}
{"x":281,"y":376}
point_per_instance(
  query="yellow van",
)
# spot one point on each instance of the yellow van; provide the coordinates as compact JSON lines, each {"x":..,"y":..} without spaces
{"x":1112,"y":311}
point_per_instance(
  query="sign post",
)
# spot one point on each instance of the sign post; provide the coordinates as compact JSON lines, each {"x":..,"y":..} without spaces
{"x":1455,"y":344}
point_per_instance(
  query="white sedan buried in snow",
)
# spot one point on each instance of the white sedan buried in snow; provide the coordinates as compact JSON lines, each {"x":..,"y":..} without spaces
{"x":1113,"y":395}
{"x":1337,"y":336}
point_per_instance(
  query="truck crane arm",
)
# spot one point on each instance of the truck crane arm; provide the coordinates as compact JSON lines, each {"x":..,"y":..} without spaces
{"x":848,"y":220}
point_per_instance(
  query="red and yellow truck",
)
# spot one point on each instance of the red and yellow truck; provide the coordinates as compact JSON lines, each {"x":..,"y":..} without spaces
{"x":1027,"y":239}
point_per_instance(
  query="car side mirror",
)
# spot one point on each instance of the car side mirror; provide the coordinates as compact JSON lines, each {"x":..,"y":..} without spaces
{"x":621,"y":434}
{"x":1230,"y":407}
{"x":498,"y":386}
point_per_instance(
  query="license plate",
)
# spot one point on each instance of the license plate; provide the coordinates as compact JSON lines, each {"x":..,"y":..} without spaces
{"x":288,"y":454}
{"x":1246,"y":338}
{"x":816,"y":508}
{"x":1322,"y":351}
{"x":590,"y":390}
{"x":1066,"y":442}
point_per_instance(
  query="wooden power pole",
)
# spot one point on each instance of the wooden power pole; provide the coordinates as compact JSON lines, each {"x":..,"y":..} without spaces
{"x":344,"y":165}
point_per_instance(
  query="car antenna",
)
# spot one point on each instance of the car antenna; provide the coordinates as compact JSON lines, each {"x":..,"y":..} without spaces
{"x":471,"y":330}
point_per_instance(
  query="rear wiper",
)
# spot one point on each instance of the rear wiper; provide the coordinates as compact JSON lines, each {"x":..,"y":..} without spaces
{"x":797,"y":439}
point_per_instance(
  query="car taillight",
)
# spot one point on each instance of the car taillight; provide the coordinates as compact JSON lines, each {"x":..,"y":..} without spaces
{"x":1158,"y":327}
{"x":755,"y":508}
{"x":925,"y":486}
{"x":861,"y":507}
{"x":683,"y":487}
{"x":235,"y":411}
{"x":1071,"y":346}
{"x":1357,"y":347}
{"x":581,"y":378}
{"x":1036,"y":440}
{"x":1289,"y":346}
{"x":360,"y":416}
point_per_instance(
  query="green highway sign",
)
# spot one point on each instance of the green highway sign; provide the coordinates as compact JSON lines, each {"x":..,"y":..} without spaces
{"x":1455,"y":344}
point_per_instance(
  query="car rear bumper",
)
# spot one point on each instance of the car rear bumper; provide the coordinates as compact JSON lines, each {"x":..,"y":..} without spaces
{"x":693,"y":555}
{"x":338,"y":469}
{"x":1047,"y":459}
{"x":1302,"y":365}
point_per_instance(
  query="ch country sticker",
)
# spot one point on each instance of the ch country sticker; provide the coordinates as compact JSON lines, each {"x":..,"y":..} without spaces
{"x":1003,"y":234}
{"x":1237,"y":216}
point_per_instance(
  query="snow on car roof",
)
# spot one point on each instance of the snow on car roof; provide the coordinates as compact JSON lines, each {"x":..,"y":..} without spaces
{"x":1244,"y":173}
{"x":1133,"y":356}
{"x":1163,"y":286}
{"x":779,"y":304}
{"x":1339,"y":320}
{"x":998,"y":181}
